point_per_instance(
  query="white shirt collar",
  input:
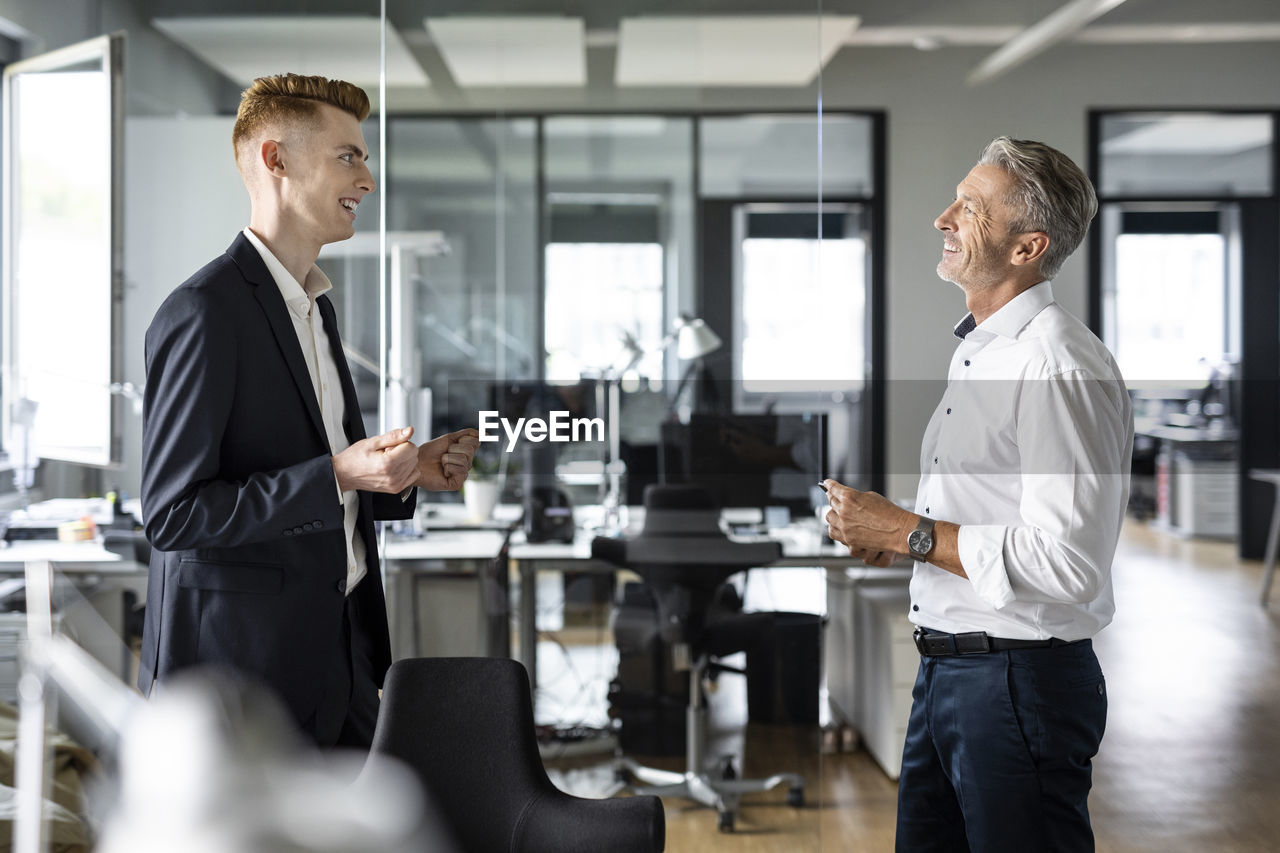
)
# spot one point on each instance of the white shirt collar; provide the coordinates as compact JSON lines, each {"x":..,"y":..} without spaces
{"x":299,"y":297}
{"x":1015,"y":314}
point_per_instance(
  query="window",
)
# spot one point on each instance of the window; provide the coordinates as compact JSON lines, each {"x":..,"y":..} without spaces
{"x":1171,"y":310}
{"x":596,"y":292}
{"x":796,"y":290}
{"x":62,"y":238}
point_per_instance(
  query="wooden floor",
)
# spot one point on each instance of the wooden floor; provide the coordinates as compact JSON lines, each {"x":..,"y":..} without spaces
{"x":1191,"y":757}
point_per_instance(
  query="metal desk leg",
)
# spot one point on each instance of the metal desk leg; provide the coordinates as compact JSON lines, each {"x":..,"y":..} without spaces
{"x":496,"y":594}
{"x":1269,"y":560}
{"x":528,"y":621}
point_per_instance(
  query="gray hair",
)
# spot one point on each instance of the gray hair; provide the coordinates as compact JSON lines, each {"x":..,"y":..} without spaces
{"x":1050,"y":194}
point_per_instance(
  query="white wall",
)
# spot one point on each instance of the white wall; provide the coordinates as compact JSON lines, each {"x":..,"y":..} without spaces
{"x":184,"y":203}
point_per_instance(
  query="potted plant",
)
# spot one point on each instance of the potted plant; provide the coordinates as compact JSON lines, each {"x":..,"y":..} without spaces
{"x":480,"y":491}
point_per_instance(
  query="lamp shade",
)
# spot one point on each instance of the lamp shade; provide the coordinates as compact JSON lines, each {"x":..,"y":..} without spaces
{"x":695,"y":338}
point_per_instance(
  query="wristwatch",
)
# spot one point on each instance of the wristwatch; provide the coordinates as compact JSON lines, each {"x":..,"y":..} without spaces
{"x":920,"y":540}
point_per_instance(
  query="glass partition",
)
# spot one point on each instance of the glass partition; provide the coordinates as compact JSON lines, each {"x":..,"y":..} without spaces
{"x":545,"y":212}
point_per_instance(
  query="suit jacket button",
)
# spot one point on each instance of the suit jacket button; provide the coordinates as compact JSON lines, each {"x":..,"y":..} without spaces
{"x":297,"y":530}
{"x":318,"y":524}
{"x":308,"y":526}
{"x":288,"y":532}
{"x":342,"y":585}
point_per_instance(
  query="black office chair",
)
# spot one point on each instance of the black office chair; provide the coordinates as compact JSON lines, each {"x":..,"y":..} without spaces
{"x":465,"y":725}
{"x":685,"y":558}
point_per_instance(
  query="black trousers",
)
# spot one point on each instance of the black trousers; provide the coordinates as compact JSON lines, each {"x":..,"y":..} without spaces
{"x":349,"y":712}
{"x":999,"y":750}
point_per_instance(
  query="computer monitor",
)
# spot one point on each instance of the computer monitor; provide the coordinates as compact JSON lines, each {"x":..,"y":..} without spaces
{"x":759,"y":461}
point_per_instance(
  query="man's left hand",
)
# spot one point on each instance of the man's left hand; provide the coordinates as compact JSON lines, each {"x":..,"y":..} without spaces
{"x":873,"y":527}
{"x":444,"y":462}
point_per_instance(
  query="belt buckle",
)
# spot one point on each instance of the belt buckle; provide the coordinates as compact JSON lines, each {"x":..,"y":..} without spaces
{"x":936,"y":645}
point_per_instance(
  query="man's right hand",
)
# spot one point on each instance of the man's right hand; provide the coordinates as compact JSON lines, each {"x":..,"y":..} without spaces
{"x":383,"y":463}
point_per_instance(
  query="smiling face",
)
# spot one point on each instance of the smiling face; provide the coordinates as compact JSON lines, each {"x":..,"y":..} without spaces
{"x":328,"y":175}
{"x":977,"y":246}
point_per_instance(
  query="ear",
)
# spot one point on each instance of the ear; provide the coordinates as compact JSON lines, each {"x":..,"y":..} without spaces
{"x":272,"y":156}
{"x":1029,"y":248}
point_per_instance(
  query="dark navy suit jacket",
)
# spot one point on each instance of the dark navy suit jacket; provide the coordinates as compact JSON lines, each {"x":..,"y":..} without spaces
{"x":239,"y":498}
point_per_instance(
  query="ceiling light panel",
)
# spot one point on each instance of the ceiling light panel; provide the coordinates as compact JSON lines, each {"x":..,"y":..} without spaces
{"x":728,"y":50}
{"x":341,"y":47}
{"x":1207,"y":33}
{"x":526,"y":50}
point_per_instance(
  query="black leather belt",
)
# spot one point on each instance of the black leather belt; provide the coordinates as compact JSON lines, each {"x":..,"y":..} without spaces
{"x":934,"y":644}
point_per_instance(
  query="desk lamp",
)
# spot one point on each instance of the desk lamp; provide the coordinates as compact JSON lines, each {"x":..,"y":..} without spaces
{"x":693,"y":339}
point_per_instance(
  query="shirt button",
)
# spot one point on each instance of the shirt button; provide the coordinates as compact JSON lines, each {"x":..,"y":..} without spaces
{"x":926,"y":510}
{"x":966,"y":362}
{"x":948,"y":411}
{"x":915,"y":607}
{"x":935,"y":460}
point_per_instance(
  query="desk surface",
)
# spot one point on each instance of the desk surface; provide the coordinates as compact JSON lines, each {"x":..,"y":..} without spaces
{"x":450,"y":536}
{"x":1167,"y":432}
{"x":468,"y":544}
{"x":66,"y":557}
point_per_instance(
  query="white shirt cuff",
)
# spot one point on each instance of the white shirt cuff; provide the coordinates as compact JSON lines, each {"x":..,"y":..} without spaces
{"x":981,"y":548}
{"x":338,"y":487}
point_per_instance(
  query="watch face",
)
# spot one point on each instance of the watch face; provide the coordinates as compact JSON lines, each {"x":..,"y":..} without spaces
{"x":919,"y":541}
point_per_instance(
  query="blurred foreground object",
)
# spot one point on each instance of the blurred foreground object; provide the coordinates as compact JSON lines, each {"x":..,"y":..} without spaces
{"x":212,"y":765}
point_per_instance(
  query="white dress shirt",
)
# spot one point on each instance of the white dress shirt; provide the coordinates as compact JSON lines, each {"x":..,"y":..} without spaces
{"x":301,"y":299}
{"x":1029,"y":452}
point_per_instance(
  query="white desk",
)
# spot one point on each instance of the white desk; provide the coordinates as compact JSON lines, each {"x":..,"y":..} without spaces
{"x":490,"y":548}
{"x":800,"y":548}
{"x":99,"y":627}
{"x":69,"y":557}
{"x":469,"y":555}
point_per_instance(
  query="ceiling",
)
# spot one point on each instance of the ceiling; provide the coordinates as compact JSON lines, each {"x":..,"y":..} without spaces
{"x":467,"y":47}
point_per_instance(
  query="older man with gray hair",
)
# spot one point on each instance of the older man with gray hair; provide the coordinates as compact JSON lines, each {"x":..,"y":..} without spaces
{"x":1023,"y":486}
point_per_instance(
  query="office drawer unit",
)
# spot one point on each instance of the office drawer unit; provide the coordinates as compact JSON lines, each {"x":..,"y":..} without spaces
{"x":1206,"y":503}
{"x":13,"y":638}
{"x":886,"y":662}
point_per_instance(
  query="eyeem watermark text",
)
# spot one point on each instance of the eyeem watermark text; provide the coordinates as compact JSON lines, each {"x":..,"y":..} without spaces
{"x":558,"y":427}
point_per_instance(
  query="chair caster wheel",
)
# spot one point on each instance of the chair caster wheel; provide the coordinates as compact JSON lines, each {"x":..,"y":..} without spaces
{"x":726,"y":822}
{"x":795,"y":798}
{"x":727,"y":770}
{"x":621,"y":776}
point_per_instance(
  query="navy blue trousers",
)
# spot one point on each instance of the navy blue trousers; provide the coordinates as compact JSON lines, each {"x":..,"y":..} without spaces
{"x":999,"y":750}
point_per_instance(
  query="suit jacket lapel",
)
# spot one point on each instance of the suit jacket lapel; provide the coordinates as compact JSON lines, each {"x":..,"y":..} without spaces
{"x":246,"y":257}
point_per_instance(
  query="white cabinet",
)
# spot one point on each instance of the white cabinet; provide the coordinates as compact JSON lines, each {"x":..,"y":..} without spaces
{"x":872,"y":662}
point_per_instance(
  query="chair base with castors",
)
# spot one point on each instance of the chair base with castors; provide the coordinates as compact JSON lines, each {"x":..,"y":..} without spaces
{"x":722,"y":791}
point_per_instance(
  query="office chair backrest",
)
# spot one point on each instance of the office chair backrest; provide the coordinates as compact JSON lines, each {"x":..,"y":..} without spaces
{"x":683,"y":556}
{"x":466,"y":726}
{"x":678,"y":510}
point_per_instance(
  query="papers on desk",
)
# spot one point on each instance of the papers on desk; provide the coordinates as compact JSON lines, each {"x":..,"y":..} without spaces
{"x":54,"y":512}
